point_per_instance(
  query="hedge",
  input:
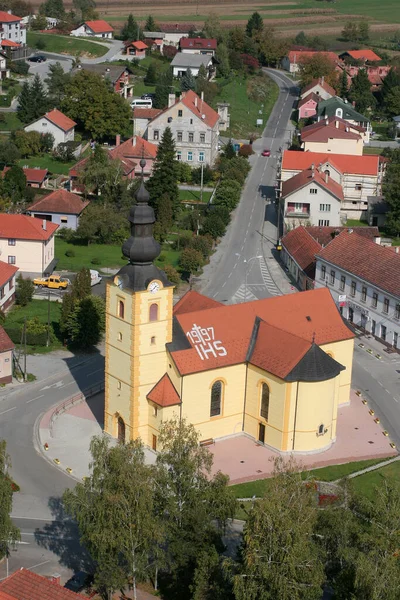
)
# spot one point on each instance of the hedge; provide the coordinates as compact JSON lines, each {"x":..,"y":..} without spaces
{"x":32,"y":339}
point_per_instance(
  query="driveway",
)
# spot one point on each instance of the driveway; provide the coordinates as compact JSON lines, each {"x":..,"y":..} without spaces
{"x":42,"y":69}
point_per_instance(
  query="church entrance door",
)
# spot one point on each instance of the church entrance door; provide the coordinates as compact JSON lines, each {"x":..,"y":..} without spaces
{"x":261,"y":433}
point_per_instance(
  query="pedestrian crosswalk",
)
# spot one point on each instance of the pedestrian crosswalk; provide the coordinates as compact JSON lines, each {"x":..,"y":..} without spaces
{"x":268,"y":281}
{"x":243,"y":295}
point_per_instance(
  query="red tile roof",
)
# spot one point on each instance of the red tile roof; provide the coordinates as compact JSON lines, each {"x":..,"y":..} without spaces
{"x":222,"y":336}
{"x":202,"y":43}
{"x":6,"y":272}
{"x":193,"y":301}
{"x":5,"y":343}
{"x":135,"y":147}
{"x":146,"y":113}
{"x":302,"y":247}
{"x":5,"y":17}
{"x":59,"y":201}
{"x":99,"y":26}
{"x":299,"y":56}
{"x":139,"y":45}
{"x":359,"y":256}
{"x":329,"y":128}
{"x":22,"y":227}
{"x":59,"y":119}
{"x":200,"y":108}
{"x":26,"y":585}
{"x":324,"y":235}
{"x":9,"y":43}
{"x":310,"y":96}
{"x":365,"y":54}
{"x":32,"y":175}
{"x":309,"y":176}
{"x":164,"y":393}
{"x":321,"y":82}
{"x":346,"y":163}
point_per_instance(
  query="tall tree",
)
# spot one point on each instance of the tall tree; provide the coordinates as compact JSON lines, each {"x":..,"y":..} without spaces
{"x":85,"y":8}
{"x":24,"y":109}
{"x":301,"y":39}
{"x":14,"y":184}
{"x":222,"y":55}
{"x":53,"y":8}
{"x":9,"y":533}
{"x":38,"y":97}
{"x":81,"y":286}
{"x":151,"y":76}
{"x":86,"y":322}
{"x":390,"y":189}
{"x":393,"y":101}
{"x":279,"y":557}
{"x":164,"y":179}
{"x":56,"y":82}
{"x":92,"y":103}
{"x":102,"y":175}
{"x":188,"y":81}
{"x":363,"y":31}
{"x":343,"y":84}
{"x":255,"y":24}
{"x":114,"y":512}
{"x":163,"y":88}
{"x":130,"y":30}
{"x":150,"y":24}
{"x":314,"y":67}
{"x":350,"y":32}
{"x":360,"y":92}
{"x":164,"y":218}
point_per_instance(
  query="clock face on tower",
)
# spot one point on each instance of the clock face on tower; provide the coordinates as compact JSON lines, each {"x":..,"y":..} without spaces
{"x":154,"y":286}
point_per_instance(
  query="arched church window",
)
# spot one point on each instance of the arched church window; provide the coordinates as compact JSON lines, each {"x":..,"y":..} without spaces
{"x":121,"y":309}
{"x":264,"y":411}
{"x":153,"y":312}
{"x":216,"y":399}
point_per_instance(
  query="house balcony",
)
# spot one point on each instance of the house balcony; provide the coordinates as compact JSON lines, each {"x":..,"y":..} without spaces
{"x":298,"y":211}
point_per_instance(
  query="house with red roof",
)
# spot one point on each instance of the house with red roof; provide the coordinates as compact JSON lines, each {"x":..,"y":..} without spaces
{"x":367,"y":59}
{"x":359,"y":176}
{"x":28,"y":244}
{"x":319,"y":87}
{"x":198,"y":46}
{"x":365,"y":55}
{"x":194,"y":125}
{"x":7,"y":284}
{"x":307,"y":106}
{"x":11,"y":30}
{"x":55,"y":122}
{"x":98,"y":28}
{"x":295,"y":58}
{"x":132,"y":151}
{"x":135,"y":48}
{"x":60,"y":207}
{"x":35,"y":177}
{"x":333,"y":135}
{"x":24,"y":584}
{"x":6,"y":371}
{"x":364,"y":280}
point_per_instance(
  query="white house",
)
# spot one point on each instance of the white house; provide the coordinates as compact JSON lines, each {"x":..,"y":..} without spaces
{"x":311,"y":198}
{"x":335,"y":135}
{"x":56,"y":123}
{"x":99,"y":28}
{"x":4,"y":72}
{"x":7,"y":284}
{"x":194,"y":125}
{"x":182,"y":62}
{"x":11,"y":28}
{"x":320,"y":88}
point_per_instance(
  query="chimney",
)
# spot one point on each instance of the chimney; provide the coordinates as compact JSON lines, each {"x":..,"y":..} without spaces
{"x":55,"y":578}
{"x":44,"y":225}
{"x":195,"y":101}
{"x":171,"y":100}
{"x":337,"y":124}
{"x":202,"y":96}
{"x":117,"y":140}
{"x":134,"y":140}
{"x":322,"y":80}
{"x":326,"y":177}
{"x":312,"y":167}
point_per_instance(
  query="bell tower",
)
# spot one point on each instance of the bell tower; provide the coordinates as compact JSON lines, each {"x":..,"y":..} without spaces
{"x":139,"y":303}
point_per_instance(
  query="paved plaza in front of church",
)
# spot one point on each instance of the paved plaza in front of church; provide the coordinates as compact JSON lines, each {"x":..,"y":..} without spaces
{"x":358,"y":438}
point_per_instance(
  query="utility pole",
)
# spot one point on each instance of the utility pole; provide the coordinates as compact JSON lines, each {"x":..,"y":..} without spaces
{"x":48,"y":318}
{"x":25,"y":349}
{"x":201,"y":182}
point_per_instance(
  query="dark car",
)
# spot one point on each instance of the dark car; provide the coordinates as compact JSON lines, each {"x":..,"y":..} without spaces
{"x":148,"y":96}
{"x":79,"y":581}
{"x":37,"y":58}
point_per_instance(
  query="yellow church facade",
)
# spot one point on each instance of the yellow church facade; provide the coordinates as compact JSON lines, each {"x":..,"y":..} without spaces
{"x":275,"y":369}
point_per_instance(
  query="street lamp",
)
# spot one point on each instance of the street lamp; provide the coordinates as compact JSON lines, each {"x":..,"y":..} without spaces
{"x":246,"y":262}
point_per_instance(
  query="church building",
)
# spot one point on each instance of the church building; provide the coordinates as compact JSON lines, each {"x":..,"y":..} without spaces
{"x":275,"y":369}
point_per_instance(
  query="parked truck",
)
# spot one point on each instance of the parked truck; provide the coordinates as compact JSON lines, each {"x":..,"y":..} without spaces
{"x":54,"y":282}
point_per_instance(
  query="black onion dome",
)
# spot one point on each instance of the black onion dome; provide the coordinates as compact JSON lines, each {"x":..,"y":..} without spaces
{"x":142,"y":195}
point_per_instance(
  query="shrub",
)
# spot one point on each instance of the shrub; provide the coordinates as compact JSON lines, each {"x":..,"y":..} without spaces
{"x":172,"y":274}
{"x":70,"y":253}
{"x":67,"y":234}
{"x":161,"y":258}
{"x":95,"y":261}
{"x":213,"y":226}
{"x":203,"y":244}
{"x":19,"y":67}
{"x":246,"y":150}
{"x":190,"y":260}
{"x":24,"y":291}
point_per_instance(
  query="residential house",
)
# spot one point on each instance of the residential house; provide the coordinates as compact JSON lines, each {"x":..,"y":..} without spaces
{"x":4,"y":72}
{"x":307,"y":106}
{"x":365,"y":55}
{"x":11,"y":29}
{"x":174,"y":32}
{"x":24,"y":584}
{"x":333,"y":135}
{"x":6,"y":371}
{"x":363,"y":278}
{"x":354,"y":60}
{"x":154,"y":40}
{"x":319,"y":87}
{"x":99,"y":29}
{"x":56,"y":123}
{"x":7,"y":285}
{"x":133,"y":151}
{"x":336,"y":107}
{"x":28,"y":244}
{"x":142,"y":117}
{"x":300,"y":245}
{"x":76,"y":187}
{"x":137,"y":49}
{"x":194,"y":125}
{"x":359,"y":176}
{"x":60,"y":207}
{"x":117,"y":75}
{"x":35,"y":177}
{"x":295,"y":58}
{"x":182,"y":62}
{"x":311,"y":198}
{"x":206,"y":46}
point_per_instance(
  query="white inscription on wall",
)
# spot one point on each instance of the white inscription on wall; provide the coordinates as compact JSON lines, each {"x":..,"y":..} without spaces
{"x":203,"y":339}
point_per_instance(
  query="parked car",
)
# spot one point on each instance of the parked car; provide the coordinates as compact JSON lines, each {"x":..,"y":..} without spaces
{"x":95,"y":277}
{"x":79,"y":581}
{"x":37,"y":58}
{"x":148,"y":96}
{"x":266,"y":152}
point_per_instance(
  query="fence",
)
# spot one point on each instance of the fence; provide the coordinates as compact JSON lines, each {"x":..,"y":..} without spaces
{"x":73,"y":401}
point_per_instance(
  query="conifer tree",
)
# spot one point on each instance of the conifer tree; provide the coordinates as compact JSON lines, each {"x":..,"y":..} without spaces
{"x":150,"y":24}
{"x":255,"y":24}
{"x":343,"y":86}
{"x":130,"y":30}
{"x":188,"y":81}
{"x":164,"y":180}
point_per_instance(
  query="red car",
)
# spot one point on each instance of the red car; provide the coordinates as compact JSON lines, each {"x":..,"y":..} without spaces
{"x":266,"y":152}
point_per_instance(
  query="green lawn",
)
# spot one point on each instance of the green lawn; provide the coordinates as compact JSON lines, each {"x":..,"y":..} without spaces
{"x":365,"y":484}
{"x":109,"y":256}
{"x":194,"y":195}
{"x":332,"y":473}
{"x":11,"y":122}
{"x":245,"y":112}
{"x":66,"y":45}
{"x":46,"y":161}
{"x":371,"y":150}
{"x":37,"y":308}
{"x":355,"y":223}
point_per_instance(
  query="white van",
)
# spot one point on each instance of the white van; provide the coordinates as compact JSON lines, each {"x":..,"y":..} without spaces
{"x":95,"y":277}
{"x":142,"y":103}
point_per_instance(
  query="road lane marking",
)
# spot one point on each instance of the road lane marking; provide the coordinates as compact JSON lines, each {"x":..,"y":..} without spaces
{"x":37,"y":398}
{"x":8,"y":410}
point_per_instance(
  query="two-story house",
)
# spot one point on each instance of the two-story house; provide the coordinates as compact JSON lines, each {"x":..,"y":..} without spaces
{"x":183,"y":62}
{"x":359,"y":176}
{"x":307,"y":106}
{"x":194,"y":125}
{"x":312,"y":197}
{"x":319,"y":87}
{"x":364,"y":280}
{"x":56,"y":123}
{"x":7,"y":285}
{"x":333,"y":134}
{"x":11,"y":28}
{"x":117,"y":75}
{"x":336,"y":107}
{"x":198,"y":46}
{"x":28,"y":244}
{"x":98,"y":28}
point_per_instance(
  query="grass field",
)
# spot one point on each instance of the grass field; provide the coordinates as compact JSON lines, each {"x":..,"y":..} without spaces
{"x":11,"y":122}
{"x":109,"y":256}
{"x":37,"y":308}
{"x":47,"y":162}
{"x":194,"y":195}
{"x":374,"y":151}
{"x":365,"y":484}
{"x":66,"y":45}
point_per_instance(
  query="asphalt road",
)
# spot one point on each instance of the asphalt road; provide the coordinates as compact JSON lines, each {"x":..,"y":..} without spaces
{"x":243,"y":241}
